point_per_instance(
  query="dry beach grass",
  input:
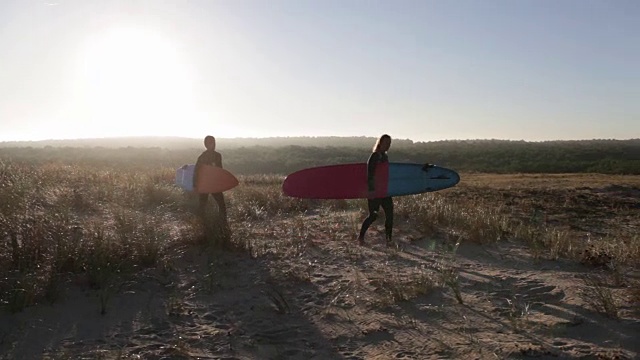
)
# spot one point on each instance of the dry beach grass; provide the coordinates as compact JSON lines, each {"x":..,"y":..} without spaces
{"x":109,"y":263}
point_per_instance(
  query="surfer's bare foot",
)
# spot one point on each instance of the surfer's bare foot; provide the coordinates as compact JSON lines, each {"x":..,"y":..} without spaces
{"x":391,"y":243}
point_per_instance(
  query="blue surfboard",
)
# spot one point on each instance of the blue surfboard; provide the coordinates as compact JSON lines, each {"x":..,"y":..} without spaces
{"x":408,"y":179}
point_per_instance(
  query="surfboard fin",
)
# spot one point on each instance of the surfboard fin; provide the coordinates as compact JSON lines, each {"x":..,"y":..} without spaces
{"x":427,"y":166}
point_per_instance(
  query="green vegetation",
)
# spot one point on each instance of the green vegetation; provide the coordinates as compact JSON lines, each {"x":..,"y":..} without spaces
{"x":111,"y":223}
{"x":285,"y":155}
{"x":100,"y":223}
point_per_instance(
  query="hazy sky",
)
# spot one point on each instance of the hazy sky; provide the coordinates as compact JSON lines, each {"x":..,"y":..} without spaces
{"x":424,"y":70}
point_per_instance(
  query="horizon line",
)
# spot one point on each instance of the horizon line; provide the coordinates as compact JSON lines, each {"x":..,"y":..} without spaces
{"x":150,"y":137}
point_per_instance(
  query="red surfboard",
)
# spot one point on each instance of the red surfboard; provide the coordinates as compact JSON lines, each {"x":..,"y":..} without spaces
{"x":345,"y":181}
{"x":211,"y":179}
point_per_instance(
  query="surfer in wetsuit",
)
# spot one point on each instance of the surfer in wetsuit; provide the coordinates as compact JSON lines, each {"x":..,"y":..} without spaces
{"x":213,"y":158}
{"x":379,"y":155}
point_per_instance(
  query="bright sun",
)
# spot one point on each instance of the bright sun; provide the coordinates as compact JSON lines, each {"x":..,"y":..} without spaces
{"x":136,"y":83}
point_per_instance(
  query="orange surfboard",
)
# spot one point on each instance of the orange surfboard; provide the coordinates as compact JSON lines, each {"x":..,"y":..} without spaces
{"x":211,"y":179}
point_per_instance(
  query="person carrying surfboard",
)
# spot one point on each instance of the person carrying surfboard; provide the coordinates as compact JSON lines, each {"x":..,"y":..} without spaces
{"x":213,"y":158}
{"x":379,"y":155}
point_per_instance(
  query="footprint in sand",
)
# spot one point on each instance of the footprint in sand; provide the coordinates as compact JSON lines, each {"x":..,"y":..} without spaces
{"x":309,"y":301}
{"x":405,"y":355}
{"x":215,"y":314}
{"x":322,"y":279}
{"x":291,"y":338}
{"x":347,"y":354}
{"x":211,"y":317}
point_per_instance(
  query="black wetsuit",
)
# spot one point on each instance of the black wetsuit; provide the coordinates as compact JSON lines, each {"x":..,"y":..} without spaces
{"x":212,"y":158}
{"x":375,"y":204}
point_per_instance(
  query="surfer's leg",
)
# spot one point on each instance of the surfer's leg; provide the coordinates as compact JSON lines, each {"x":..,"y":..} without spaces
{"x":374,"y":205}
{"x":387,"y":206}
{"x":222,"y":207}
{"x":202,"y":200}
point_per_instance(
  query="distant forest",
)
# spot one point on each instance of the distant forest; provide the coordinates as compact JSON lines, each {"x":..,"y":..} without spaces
{"x":285,"y":155}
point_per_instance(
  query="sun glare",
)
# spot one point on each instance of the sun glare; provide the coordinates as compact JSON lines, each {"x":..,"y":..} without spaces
{"x":135,"y":82}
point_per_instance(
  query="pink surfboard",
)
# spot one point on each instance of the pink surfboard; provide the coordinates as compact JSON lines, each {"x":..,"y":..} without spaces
{"x":345,"y":181}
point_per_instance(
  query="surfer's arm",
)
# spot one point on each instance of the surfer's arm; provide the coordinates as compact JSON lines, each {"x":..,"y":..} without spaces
{"x":219,"y":160}
{"x":371,"y":170}
{"x":196,"y":169}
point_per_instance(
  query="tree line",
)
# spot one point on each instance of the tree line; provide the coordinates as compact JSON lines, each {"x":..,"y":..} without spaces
{"x":494,"y":156}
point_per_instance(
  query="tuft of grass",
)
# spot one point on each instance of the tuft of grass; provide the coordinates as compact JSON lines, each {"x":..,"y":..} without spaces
{"x":449,"y":274}
{"x":480,"y":216}
{"x":450,"y":277}
{"x":22,"y":292}
{"x":57,"y":220}
{"x":558,"y":242}
{"x":52,"y":288}
{"x":277,"y":299}
{"x":296,"y":238}
{"x":622,"y":248}
{"x":634,"y":293}
{"x":174,"y":305}
{"x":599,"y":296}
{"x":477,"y":222}
{"x":263,"y":200}
{"x":217,"y":233}
{"x":518,"y":311}
{"x":396,"y":287}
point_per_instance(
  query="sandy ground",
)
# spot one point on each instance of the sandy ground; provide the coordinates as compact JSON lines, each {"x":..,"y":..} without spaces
{"x":327,"y":298}
{"x":305,"y":290}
